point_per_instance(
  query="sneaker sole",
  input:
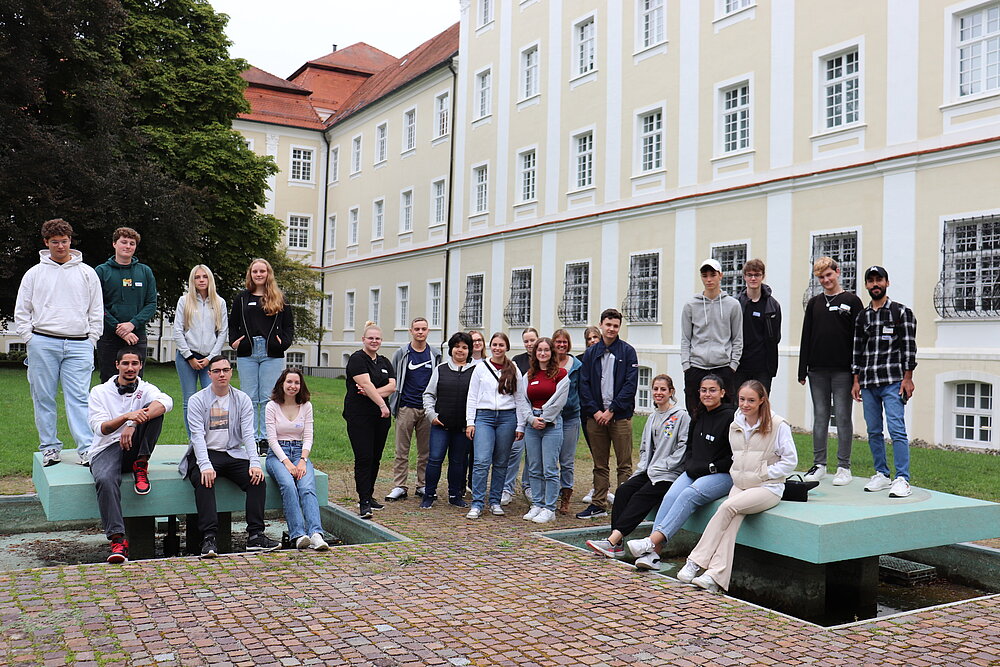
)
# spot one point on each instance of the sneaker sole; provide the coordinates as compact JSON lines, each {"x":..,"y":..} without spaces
{"x":210,"y":555}
{"x":115,"y":559}
{"x":893,"y":495}
{"x":592,"y":516}
{"x":647,"y":568}
{"x":141,"y":493}
{"x":262,"y":549}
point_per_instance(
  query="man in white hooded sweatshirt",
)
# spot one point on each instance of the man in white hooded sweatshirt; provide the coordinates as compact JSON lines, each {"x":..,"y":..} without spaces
{"x":59,"y":314}
{"x":711,"y":335}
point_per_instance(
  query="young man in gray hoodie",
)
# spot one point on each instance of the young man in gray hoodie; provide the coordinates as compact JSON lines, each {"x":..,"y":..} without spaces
{"x":711,"y":335}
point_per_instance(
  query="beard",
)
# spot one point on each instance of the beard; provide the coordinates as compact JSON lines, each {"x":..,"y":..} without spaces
{"x":876,"y":292}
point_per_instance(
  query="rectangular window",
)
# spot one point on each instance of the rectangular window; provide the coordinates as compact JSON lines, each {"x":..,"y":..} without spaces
{"x":481,"y":185}
{"x":403,"y":306}
{"x":298,"y":231}
{"x":732,"y":258}
{"x":378,"y":219}
{"x":302,"y":164}
{"x":841,"y":89}
{"x":381,"y":141}
{"x":295,"y":358}
{"x":328,"y":311}
{"x":736,"y":118}
{"x":356,"y":154}
{"x":518,"y":310}
{"x":643,"y":391}
{"x":483,"y":94}
{"x":335,"y":164}
{"x":352,"y":227}
{"x":529,"y":72}
{"x":434,"y":301}
{"x":331,"y":235}
{"x":583,"y":150}
{"x":969,"y":286}
{"x":576,"y":294}
{"x":651,"y":141}
{"x":438,"y":208}
{"x":471,"y":315}
{"x":485,"y":12}
{"x":979,"y":50}
{"x":374,"y":295}
{"x":410,"y":130}
{"x":643,"y":298}
{"x":585,"y":47}
{"x":18,"y":347}
{"x":843,"y":248}
{"x":651,"y":22}
{"x":526,"y":175}
{"x":406,"y":212}
{"x":349,"y":310}
{"x":974,"y":412}
{"x":442,"y":113}
{"x":731,"y":6}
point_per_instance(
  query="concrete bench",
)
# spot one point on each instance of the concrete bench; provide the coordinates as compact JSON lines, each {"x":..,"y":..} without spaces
{"x":66,"y":492}
{"x":819,"y":559}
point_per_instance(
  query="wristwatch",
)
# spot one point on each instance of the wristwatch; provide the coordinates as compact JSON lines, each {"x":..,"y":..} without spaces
{"x":712,"y":469}
{"x":129,"y":422}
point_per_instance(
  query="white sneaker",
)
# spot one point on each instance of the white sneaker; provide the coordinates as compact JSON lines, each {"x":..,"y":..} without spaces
{"x":84,"y":458}
{"x":815,"y":474}
{"x":605,"y":548}
{"x":640,"y":547}
{"x":650,"y":561}
{"x":397,"y":493}
{"x":900,"y":488}
{"x":474,"y":513}
{"x":708,"y":583}
{"x":843,"y":477}
{"x":303,"y":542}
{"x":505,"y":498}
{"x":532,"y":513}
{"x":496,"y":510}
{"x":545,"y":516}
{"x":878,"y":482}
{"x":50,"y":457}
{"x":687,"y":573}
{"x":589,"y":497}
{"x":317,"y":543}
{"x":611,"y":498}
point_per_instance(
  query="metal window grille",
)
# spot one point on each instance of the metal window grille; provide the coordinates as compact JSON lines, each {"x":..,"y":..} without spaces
{"x":843,"y":248}
{"x":576,"y":294}
{"x":471,"y":315}
{"x":732,"y":258}
{"x":641,"y":304}
{"x":842,"y":93}
{"x":652,"y":22}
{"x":518,"y":310}
{"x":974,"y":412}
{"x":298,"y":231}
{"x":302,"y":159}
{"x":736,"y":118}
{"x":979,"y":50}
{"x":652,"y":141}
{"x":969,"y":285}
{"x":528,"y":176}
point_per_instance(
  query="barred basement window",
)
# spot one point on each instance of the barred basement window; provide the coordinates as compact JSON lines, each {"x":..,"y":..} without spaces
{"x":518,"y":310}
{"x":471,"y":315}
{"x":974,"y":412}
{"x":970,"y":271}
{"x":576,"y":294}
{"x":641,"y":304}
{"x":843,"y":248}
{"x":732,"y":258}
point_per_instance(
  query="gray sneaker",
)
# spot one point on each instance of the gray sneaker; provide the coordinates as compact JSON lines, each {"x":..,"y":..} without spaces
{"x":85,"y":458}
{"x":605,"y":548}
{"x":50,"y":457}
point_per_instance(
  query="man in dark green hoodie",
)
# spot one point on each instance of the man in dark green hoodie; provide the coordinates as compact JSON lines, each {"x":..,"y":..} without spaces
{"x":129,"y":301}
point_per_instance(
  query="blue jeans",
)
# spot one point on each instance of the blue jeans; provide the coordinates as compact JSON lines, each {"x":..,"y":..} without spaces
{"x":567,"y":454}
{"x":258,"y":373}
{"x":495,"y":430}
{"x":456,"y":446}
{"x":71,"y":362}
{"x":298,"y":496}
{"x":514,"y":465}
{"x":686,"y":495}
{"x":542,"y":448}
{"x":874,"y":400}
{"x":190,"y":379}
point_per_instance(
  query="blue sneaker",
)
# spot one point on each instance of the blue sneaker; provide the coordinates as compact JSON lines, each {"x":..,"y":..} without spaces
{"x":592,"y":512}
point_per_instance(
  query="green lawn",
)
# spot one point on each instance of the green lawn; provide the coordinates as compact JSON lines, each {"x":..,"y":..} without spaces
{"x":962,"y":473}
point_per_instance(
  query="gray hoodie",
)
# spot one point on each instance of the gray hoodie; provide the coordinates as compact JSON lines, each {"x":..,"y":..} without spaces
{"x":665,"y":465}
{"x":711,"y":332}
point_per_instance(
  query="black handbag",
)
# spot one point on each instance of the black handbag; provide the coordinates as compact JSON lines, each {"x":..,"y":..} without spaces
{"x":797,"y":490}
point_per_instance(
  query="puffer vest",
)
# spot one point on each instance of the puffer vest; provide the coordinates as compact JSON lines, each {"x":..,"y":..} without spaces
{"x":452,"y":390}
{"x":752,"y":456}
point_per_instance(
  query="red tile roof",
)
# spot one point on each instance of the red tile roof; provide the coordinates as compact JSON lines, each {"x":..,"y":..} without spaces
{"x":275,"y":100}
{"x":258,"y":77}
{"x":362,"y":58}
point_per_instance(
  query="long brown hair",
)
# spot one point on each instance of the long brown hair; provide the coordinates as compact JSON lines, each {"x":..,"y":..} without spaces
{"x":508,"y":373}
{"x":273,"y":301}
{"x":534,"y":368}
{"x":278,"y":393}
{"x":764,"y":413}
{"x":670,"y":383}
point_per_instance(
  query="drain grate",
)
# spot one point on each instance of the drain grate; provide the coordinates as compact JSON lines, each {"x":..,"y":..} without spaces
{"x":905,"y":572}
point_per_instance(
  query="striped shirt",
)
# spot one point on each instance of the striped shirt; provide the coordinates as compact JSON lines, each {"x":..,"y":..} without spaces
{"x":885,"y":344}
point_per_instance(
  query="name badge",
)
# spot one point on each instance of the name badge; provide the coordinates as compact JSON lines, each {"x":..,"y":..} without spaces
{"x":534,"y":382}
{"x":834,"y":309}
{"x":297,"y":424}
{"x":755,"y":314}
{"x":385,"y":371}
{"x":885,"y":338}
{"x":251,"y":303}
{"x":138,"y":284}
{"x":710,"y":438}
{"x":887,"y":331}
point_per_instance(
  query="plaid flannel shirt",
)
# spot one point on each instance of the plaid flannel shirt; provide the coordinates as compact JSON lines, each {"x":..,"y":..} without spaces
{"x":885,"y":344}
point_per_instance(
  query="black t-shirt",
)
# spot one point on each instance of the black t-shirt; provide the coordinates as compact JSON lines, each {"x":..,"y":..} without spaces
{"x":522,"y":361}
{"x":379,"y":370}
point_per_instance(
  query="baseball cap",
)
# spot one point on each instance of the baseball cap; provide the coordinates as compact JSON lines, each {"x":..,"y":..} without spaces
{"x":711,"y":264}
{"x":876,"y":270}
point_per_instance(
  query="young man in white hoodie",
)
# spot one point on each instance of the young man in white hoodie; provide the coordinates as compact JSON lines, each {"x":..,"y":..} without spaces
{"x":59,"y":314}
{"x":711,"y":335}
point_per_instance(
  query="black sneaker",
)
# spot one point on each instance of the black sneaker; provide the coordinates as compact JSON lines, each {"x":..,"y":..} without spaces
{"x":427,"y":502}
{"x":261,"y":542}
{"x":364,"y":510}
{"x":457,"y":501}
{"x":592,"y":512}
{"x":375,"y":505}
{"x":262,"y":448}
{"x":208,"y":548}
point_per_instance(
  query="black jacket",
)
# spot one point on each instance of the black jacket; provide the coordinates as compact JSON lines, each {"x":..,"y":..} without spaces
{"x":769,"y":325}
{"x":708,"y":442}
{"x":282,"y":326}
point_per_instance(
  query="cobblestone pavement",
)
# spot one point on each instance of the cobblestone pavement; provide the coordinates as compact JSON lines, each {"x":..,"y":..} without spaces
{"x":461,"y":593}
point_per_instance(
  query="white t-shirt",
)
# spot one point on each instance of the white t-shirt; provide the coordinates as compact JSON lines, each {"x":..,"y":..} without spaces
{"x":217,"y":433}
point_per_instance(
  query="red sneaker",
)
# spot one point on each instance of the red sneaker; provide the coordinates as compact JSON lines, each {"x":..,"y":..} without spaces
{"x":119,"y":551}
{"x":139,"y":471}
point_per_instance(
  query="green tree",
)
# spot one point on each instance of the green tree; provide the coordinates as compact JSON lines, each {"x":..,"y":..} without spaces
{"x":299,"y":282}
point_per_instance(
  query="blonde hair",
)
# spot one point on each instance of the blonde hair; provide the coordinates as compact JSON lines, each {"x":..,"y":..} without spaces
{"x":273,"y":301}
{"x":824,"y":263}
{"x":369,"y":325}
{"x":191,"y":299}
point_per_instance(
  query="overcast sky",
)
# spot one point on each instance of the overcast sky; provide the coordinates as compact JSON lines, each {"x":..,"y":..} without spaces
{"x":278,"y":36}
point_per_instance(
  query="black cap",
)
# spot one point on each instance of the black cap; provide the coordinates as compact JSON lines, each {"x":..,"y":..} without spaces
{"x":876,"y":270}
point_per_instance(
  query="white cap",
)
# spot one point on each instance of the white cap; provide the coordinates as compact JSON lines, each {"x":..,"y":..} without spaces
{"x":711,"y":264}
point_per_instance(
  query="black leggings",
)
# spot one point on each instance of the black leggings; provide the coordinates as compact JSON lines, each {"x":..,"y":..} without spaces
{"x":367,"y":435}
{"x":634,"y":499}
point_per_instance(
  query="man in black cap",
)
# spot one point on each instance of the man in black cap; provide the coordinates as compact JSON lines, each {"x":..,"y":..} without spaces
{"x":885,"y":354}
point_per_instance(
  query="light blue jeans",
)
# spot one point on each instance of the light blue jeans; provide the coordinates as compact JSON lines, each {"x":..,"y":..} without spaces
{"x":495,"y":431}
{"x":190,"y":379}
{"x":258,"y":373}
{"x":686,"y":495}
{"x":298,"y":497}
{"x":514,"y":465}
{"x":567,"y":454}
{"x":542,"y":448}
{"x":874,"y":400}
{"x":51,"y":361}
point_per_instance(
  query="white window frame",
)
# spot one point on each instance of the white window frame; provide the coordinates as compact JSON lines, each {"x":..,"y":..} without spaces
{"x":721,"y":89}
{"x":483,"y":99}
{"x":403,"y":306}
{"x":650,"y":24}
{"x":732,"y":278}
{"x":531,"y":68}
{"x":350,"y":301}
{"x":439,"y":203}
{"x":485,"y":14}
{"x":583,"y":60}
{"x":331,"y":236}
{"x":628,"y":311}
{"x":374,"y":303}
{"x":295,"y":358}
{"x":353,"y":225}
{"x":644,"y":390}
{"x":409,"y":129}
{"x":435,"y":303}
{"x":821,"y":58}
{"x":480,"y":182}
{"x":975,"y":256}
{"x":301,"y":164}
{"x":980,"y":86}
{"x":381,"y":143}
{"x":981,"y":417}
{"x":304,"y":231}
{"x":356,"y":154}
{"x":378,"y":219}
{"x":582,"y":166}
{"x":406,"y":211}
{"x":527,"y":176}
{"x":327,"y":312}
{"x":442,"y":114}
{"x":657,"y":138}
{"x":334,"y":164}
{"x":729,"y":7}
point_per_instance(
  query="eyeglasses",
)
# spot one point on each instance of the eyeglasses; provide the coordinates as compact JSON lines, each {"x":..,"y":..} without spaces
{"x":219,"y":371}
{"x":753,"y":275}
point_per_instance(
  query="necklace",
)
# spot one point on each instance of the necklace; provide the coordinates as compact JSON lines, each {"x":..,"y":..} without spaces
{"x":831,"y":297}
